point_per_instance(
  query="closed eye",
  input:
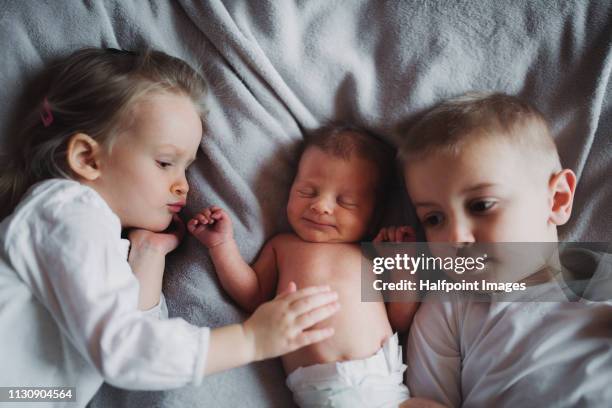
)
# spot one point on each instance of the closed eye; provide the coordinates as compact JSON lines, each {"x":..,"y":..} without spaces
{"x":347,"y":204}
{"x":306,"y":193}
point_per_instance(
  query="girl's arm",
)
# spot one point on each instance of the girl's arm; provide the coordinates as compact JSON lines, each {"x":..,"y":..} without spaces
{"x":248,"y":286}
{"x":76,"y":267}
{"x":275,"y":328}
{"x":147,"y":259}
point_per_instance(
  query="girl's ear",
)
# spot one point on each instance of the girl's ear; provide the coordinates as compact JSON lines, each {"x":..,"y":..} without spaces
{"x":562,"y":186}
{"x":84,"y":156}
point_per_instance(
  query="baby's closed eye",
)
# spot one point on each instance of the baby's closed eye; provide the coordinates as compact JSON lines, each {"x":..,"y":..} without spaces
{"x":307,"y":192}
{"x":347,"y":202}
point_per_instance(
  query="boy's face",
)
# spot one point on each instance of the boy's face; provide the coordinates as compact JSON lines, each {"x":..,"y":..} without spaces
{"x":489,"y":192}
{"x":331,"y":199}
{"x":143,"y":178}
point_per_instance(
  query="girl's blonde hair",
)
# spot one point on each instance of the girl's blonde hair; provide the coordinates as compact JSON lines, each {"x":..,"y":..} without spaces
{"x":92,"y":91}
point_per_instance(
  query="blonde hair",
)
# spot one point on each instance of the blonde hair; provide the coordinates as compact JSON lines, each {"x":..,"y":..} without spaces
{"x":92,"y":91}
{"x":456,"y":122}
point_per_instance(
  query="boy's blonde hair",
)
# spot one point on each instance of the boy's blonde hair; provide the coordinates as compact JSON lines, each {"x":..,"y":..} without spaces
{"x":92,"y":91}
{"x":456,"y":122}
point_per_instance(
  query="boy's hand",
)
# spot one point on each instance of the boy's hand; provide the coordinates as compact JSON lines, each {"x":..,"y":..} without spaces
{"x":280,"y":326}
{"x":161,"y":242}
{"x":396,"y":234}
{"x":212,"y":227}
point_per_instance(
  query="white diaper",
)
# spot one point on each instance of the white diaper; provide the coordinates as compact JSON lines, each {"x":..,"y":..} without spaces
{"x":376,"y":381}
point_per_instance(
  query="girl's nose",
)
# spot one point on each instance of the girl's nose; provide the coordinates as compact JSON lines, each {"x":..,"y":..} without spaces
{"x":180,"y":187}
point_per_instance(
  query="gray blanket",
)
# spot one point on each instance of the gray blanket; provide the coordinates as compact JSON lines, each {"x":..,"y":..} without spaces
{"x":279,"y":68}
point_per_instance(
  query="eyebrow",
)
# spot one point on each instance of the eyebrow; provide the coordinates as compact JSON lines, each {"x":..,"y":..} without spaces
{"x":477,"y":187}
{"x":177,"y":151}
{"x":424,"y":204}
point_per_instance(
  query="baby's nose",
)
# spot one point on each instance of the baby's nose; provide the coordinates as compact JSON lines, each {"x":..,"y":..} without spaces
{"x":322,"y":206}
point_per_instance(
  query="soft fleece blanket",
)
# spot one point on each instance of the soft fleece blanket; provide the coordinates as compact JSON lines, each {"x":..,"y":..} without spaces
{"x":279,"y":68}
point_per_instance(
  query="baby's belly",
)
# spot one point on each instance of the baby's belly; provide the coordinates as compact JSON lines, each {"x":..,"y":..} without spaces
{"x":360,"y":328}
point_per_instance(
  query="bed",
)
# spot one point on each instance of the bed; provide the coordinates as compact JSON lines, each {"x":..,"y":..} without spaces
{"x":278,"y":69}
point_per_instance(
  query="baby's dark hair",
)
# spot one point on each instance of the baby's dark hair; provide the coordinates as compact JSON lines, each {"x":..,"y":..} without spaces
{"x":343,"y":141}
{"x":92,"y":91}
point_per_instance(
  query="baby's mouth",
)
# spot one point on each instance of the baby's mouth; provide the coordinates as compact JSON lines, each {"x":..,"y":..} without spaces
{"x":318,"y":224}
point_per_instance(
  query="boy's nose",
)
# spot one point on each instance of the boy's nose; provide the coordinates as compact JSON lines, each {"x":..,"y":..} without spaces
{"x":460,"y":233}
{"x":322,"y":206}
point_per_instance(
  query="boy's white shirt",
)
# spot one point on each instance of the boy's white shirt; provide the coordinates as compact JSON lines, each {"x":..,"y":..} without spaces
{"x":68,"y":302}
{"x":469,"y":353}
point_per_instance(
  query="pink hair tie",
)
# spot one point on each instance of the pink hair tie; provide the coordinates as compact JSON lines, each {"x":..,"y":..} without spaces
{"x":46,"y":115}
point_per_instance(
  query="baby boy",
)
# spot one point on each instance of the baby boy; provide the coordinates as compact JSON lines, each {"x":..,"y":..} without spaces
{"x":333,"y":204}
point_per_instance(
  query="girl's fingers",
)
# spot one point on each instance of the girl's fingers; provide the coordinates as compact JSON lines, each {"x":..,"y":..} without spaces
{"x":292,"y":287}
{"x":305,"y":292}
{"x":312,"y":336}
{"x":309,"y":303}
{"x":313,"y":317}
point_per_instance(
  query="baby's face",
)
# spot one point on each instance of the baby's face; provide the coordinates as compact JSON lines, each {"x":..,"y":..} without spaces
{"x":143,"y":178}
{"x":489,"y":192}
{"x":331,"y":199}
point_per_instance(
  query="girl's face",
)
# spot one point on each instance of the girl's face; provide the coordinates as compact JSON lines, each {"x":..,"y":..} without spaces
{"x":143,"y":177}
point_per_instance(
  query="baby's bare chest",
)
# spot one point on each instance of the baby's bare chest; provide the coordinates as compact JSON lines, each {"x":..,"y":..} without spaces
{"x":305,"y":263}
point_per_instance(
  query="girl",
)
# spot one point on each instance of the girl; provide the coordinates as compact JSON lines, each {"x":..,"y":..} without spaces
{"x":107,"y":150}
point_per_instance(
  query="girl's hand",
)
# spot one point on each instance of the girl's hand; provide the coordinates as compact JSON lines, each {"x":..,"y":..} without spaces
{"x":162,"y":242}
{"x":212,"y":227}
{"x":281,"y":325}
{"x":396,"y":234}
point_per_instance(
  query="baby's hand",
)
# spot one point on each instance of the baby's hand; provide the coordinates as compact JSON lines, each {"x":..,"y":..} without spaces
{"x":280,"y":326}
{"x":212,"y":227}
{"x":396,"y":234}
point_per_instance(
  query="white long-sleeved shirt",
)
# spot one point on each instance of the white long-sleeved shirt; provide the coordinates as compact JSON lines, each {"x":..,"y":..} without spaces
{"x":68,"y":302}
{"x":471,"y":353}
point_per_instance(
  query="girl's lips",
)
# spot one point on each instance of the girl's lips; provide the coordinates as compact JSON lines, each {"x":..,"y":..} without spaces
{"x":175,"y":208}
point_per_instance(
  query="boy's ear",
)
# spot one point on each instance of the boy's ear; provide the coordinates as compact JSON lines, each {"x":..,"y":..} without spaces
{"x":562,"y":186}
{"x":84,"y":156}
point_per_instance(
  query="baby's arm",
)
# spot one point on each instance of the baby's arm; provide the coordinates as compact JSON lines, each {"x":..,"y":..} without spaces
{"x":400,"y":313}
{"x":248,"y":286}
